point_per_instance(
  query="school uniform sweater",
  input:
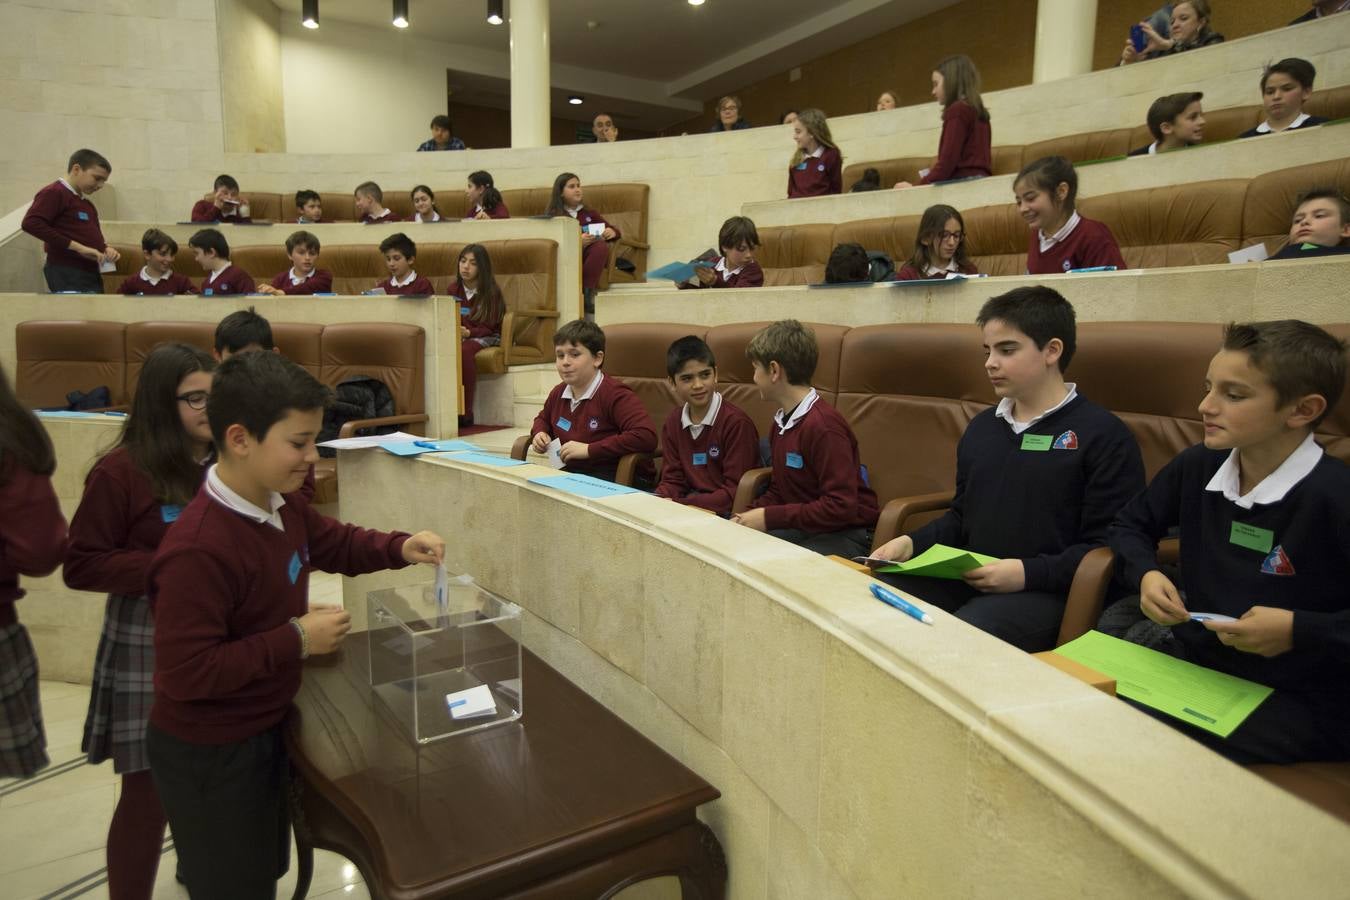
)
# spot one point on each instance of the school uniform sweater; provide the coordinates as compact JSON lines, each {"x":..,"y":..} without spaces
{"x":816,"y":176}
{"x":32,"y":533}
{"x":910,"y":272}
{"x":1296,"y":251}
{"x":613,"y":422}
{"x":497,"y":212}
{"x":56,"y":217}
{"x":487,"y":328}
{"x":172,"y":283}
{"x":1090,"y":244}
{"x":587,"y":216}
{"x":1307,"y":121}
{"x":223,"y":588}
{"x":389,"y":216}
{"x":419,"y":285}
{"x":817,"y":482}
{"x":319,"y":282}
{"x":749,"y":275}
{"x":704,"y":471}
{"x":207,"y":211}
{"x":231,"y":280}
{"x":1291,"y":554}
{"x":1047,"y":506}
{"x":964,"y":150}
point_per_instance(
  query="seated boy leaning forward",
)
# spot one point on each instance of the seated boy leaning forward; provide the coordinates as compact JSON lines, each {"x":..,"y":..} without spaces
{"x":212,"y":253}
{"x":816,"y":497}
{"x":737,"y":240}
{"x":1039,"y":479}
{"x":1265,"y":538}
{"x":1321,"y":225}
{"x":229,"y":591}
{"x":709,"y":442}
{"x":596,"y":419}
{"x":157,"y":277}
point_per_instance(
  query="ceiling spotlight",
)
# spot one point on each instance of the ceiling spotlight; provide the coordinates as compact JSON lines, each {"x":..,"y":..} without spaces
{"x":695,"y":2}
{"x":576,"y":100}
{"x":309,"y":13}
{"x":495,"y":12}
{"x":400,"y":13}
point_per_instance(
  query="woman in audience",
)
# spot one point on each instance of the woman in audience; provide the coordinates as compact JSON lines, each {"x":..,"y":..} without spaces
{"x":424,"y":205}
{"x":1061,"y":239}
{"x":596,"y":234}
{"x":480,"y":315}
{"x":485,"y":201}
{"x":729,"y":116}
{"x":964,"y":150}
{"x":888,"y":100}
{"x":816,"y":168}
{"x":130,"y":498}
{"x":1190,"y":29}
{"x":939,"y":247}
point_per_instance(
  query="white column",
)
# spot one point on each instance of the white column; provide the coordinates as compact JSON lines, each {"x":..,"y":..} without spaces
{"x":529,"y":73}
{"x":1065,"y":32}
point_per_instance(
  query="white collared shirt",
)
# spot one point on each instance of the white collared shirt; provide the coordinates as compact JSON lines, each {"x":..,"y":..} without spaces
{"x":156,"y":279}
{"x":412,"y":276}
{"x":573,"y":212}
{"x":1264,"y":127}
{"x":1296,"y":466}
{"x":211,"y":279}
{"x":696,"y":428}
{"x":587,"y":394}
{"x":1153,"y":149}
{"x":71,"y":188}
{"x":226,"y":497}
{"x":802,"y":409}
{"x":1005,"y":408}
{"x":300,"y":279}
{"x":435,"y":217}
{"x":1061,"y":235}
{"x":727,"y":273}
{"x":818,"y":152}
{"x":468,"y":291}
{"x":943,"y":270}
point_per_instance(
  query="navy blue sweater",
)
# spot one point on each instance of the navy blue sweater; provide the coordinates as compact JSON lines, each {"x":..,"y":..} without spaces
{"x":1310,"y":573}
{"x":1046,"y":507}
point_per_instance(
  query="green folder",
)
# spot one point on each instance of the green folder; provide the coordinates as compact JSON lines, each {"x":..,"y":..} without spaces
{"x":941,"y":561}
{"x":1214,"y":701}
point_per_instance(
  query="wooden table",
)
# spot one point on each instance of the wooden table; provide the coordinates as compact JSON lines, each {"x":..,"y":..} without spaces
{"x":569,"y":801}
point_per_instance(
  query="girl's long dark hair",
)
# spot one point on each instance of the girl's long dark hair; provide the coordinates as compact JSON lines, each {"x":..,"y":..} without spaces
{"x":930,"y":228}
{"x":23,"y":440}
{"x":556,"y":207}
{"x":487,"y":304}
{"x":154,"y":435}
{"x":491,"y":197}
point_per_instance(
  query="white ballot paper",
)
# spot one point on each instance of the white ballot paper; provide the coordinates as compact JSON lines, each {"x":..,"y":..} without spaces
{"x":442,"y":590}
{"x":1255,"y":253}
{"x":469,"y":704}
{"x":554,"y":454}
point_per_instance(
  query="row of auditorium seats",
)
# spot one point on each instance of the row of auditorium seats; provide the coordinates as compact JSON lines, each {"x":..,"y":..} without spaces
{"x":1220,"y":125}
{"x":525,"y":269}
{"x":1191,"y":224}
{"x":623,"y":205}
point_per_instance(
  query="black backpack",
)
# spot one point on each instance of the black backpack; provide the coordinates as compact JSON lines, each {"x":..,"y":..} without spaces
{"x":880,"y":267}
{"x":355,"y":398}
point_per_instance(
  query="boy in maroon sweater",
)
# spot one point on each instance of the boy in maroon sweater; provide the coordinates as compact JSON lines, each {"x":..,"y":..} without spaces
{"x":304,"y":276}
{"x":224,"y":204}
{"x":369,"y":202}
{"x":62,"y":217}
{"x":597,"y":419}
{"x":229,"y":591}
{"x":212,"y":253}
{"x":738,"y":240}
{"x":157,"y":277}
{"x":400,"y":255}
{"x":708,"y":443}
{"x":816,"y":497}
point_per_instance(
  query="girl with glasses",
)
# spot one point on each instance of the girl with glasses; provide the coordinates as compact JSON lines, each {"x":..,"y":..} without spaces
{"x":939,"y":247}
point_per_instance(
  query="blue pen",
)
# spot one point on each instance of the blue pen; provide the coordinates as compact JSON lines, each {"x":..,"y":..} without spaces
{"x":900,"y":603}
{"x":430,"y":445}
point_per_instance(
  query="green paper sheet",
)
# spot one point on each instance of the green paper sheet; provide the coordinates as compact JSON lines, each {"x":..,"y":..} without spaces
{"x":1207,"y":699}
{"x":941,"y":561}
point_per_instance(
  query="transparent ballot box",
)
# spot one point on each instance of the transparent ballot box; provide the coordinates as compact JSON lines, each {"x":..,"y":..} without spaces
{"x":445,"y":668}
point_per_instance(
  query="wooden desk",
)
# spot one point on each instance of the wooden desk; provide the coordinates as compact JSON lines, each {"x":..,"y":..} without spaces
{"x":569,"y":801}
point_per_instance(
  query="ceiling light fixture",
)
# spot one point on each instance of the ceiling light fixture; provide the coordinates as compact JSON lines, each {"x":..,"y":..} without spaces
{"x":576,"y":99}
{"x":695,"y":2}
{"x":400,"y":13}
{"x":495,"y":12}
{"x":309,"y":13}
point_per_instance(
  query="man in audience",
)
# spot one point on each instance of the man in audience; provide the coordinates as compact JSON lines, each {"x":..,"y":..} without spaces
{"x":1321,"y":9}
{"x":1175,"y":121}
{"x":62,"y":217}
{"x":604,"y":130}
{"x":442,"y":136}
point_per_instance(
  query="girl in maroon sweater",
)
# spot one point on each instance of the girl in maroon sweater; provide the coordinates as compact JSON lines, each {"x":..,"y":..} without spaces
{"x":424,"y":205}
{"x":817,"y":166}
{"x":131,"y":497}
{"x":1061,"y":240}
{"x":596,"y":234}
{"x":939,"y":247}
{"x":485,"y":201}
{"x":32,"y":542}
{"x":481,"y":311}
{"x":964,"y":149}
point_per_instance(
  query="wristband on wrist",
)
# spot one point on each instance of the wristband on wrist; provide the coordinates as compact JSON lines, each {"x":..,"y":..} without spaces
{"x":304,"y":638}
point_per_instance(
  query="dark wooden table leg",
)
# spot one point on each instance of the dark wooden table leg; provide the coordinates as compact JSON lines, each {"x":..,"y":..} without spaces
{"x":304,"y":845}
{"x":704,"y":877}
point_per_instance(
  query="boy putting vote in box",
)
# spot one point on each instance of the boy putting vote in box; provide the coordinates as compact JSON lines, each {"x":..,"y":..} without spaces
{"x":1264,"y":516}
{"x":229,"y":591}
{"x":708,"y":442}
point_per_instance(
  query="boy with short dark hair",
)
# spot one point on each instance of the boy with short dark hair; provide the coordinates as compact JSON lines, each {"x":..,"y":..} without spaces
{"x":848,"y":264}
{"x":308,"y":207}
{"x":707,"y":442}
{"x":597,"y":419}
{"x":400,"y":255}
{"x":1264,"y":515}
{"x":224,"y":204}
{"x":1039,"y":479}
{"x":442,"y":136}
{"x":304,"y":277}
{"x":369,"y":202}
{"x":212,"y":253}
{"x":816,"y":497}
{"x":229,"y":591}
{"x":1175,"y":121}
{"x":62,"y":217}
{"x":1320,"y":227}
{"x":241,"y":331}
{"x":738,"y":240}
{"x":157,"y":277}
{"x":1285,"y":87}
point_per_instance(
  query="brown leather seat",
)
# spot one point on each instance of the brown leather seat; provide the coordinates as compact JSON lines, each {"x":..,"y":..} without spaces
{"x":1178,"y":225}
{"x":636,"y":354}
{"x":905,"y":168}
{"x":1329,"y":103}
{"x":266,"y":262}
{"x":893,"y":235}
{"x":57,"y":357}
{"x":1269,"y":206}
{"x":301,"y":343}
{"x":143,"y":337}
{"x":1084,"y":146}
{"x":794,"y":254}
{"x":996,"y":239}
{"x":265,"y":206}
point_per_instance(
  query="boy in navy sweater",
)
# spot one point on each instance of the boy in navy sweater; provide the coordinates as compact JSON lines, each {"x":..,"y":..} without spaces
{"x":1265,"y":538}
{"x":816,"y":496}
{"x":228,"y":588}
{"x":1038,"y":479}
{"x":1285,"y":87}
{"x":707,"y":443}
{"x":62,"y":217}
{"x":1321,"y":225}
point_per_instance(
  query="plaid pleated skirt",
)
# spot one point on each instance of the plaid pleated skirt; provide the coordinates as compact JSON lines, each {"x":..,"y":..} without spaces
{"x":23,"y":743}
{"x":123,"y":686}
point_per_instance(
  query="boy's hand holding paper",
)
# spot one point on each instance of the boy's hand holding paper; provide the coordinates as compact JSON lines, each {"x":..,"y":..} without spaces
{"x":1263,"y":630}
{"x":553,"y":452}
{"x":941,"y":561}
{"x":424,"y":547}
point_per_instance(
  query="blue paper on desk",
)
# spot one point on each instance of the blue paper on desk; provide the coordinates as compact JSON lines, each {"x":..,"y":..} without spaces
{"x":584,"y":486}
{"x":485,"y":459}
{"x":78,"y":414}
{"x":683,"y":271}
{"x":417,"y":448}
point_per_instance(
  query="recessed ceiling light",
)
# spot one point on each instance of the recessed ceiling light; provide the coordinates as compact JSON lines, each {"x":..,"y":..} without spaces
{"x":576,"y":100}
{"x":400,"y":13}
{"x":495,"y":12}
{"x":695,"y":2}
{"x":309,"y":13}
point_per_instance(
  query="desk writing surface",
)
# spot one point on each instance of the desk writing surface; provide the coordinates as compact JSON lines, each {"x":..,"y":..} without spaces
{"x":568,"y":777}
